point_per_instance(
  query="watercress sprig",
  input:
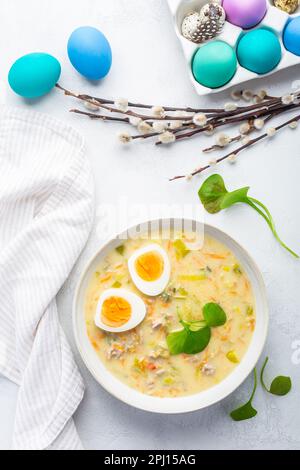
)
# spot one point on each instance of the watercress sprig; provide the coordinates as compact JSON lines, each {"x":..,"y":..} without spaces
{"x":280,"y":386}
{"x":195,"y":336}
{"x":215,"y":197}
{"x":246,"y":411}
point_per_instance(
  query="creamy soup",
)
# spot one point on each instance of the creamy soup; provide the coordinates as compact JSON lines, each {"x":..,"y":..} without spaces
{"x":140,"y":357}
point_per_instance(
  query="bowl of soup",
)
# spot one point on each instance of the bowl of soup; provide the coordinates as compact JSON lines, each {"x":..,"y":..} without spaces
{"x":171,"y":316}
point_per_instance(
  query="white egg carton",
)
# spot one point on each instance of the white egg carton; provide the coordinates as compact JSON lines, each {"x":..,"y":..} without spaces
{"x":274,"y":19}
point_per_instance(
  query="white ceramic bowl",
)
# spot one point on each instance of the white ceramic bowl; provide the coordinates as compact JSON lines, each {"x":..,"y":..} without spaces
{"x":186,"y":403}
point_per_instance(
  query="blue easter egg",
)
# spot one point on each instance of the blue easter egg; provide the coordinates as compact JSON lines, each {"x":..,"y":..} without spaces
{"x":291,"y":36}
{"x":259,"y":51}
{"x":90,"y":53}
{"x":34,"y":75}
{"x":214,"y":64}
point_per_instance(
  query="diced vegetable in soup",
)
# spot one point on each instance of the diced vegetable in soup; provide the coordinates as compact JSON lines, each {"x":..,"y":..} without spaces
{"x":141,"y":357}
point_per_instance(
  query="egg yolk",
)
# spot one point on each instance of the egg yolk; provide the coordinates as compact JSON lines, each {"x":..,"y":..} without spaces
{"x":116,"y":311}
{"x":149,"y":266}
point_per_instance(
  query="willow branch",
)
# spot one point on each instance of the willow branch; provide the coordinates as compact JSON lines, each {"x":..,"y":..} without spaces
{"x":216,"y":123}
{"x":99,"y":117}
{"x":95,"y":102}
{"x":136,"y":105}
{"x":239,"y":149}
{"x":239,"y":137}
{"x":258,"y":109}
{"x":156,"y":134}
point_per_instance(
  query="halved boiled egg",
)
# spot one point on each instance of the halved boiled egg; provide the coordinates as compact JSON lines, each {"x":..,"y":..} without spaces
{"x":150,"y":269}
{"x":119,"y":310}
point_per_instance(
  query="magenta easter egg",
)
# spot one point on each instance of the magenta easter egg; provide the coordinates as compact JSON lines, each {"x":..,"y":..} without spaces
{"x":245,"y":13}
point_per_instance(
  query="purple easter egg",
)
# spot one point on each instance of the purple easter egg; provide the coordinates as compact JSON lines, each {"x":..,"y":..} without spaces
{"x":245,"y":13}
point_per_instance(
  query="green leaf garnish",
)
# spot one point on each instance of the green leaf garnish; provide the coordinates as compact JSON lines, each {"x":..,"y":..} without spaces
{"x":280,"y":386}
{"x":215,"y":197}
{"x":246,"y":411}
{"x":176,"y":341}
{"x":197,"y":325}
{"x":214,"y":315}
{"x":197,"y":341}
{"x":195,"y":336}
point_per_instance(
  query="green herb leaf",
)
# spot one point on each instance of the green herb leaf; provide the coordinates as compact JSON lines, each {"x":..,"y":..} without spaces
{"x":188,"y":342}
{"x":212,"y":193}
{"x":214,"y":315}
{"x":265,"y":213}
{"x":197,"y":341}
{"x":176,"y":341}
{"x":197,"y":325}
{"x":215,"y":197}
{"x":246,"y":411}
{"x":240,"y":195}
{"x":196,"y":335}
{"x":280,"y":386}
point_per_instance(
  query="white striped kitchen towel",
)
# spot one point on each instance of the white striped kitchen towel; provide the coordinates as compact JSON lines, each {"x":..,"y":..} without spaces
{"x":46,"y":213}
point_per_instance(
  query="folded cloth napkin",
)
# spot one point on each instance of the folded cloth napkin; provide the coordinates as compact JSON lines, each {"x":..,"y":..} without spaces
{"x":46,"y":213}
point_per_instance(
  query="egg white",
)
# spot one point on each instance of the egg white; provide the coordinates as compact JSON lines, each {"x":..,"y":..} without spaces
{"x":151,"y":288}
{"x":138,"y":310}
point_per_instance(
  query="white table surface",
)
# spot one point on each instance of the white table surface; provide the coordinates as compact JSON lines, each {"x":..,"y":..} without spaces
{"x":149,"y":67}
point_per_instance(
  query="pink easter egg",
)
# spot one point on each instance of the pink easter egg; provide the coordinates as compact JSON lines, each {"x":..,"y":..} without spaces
{"x":245,"y":13}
